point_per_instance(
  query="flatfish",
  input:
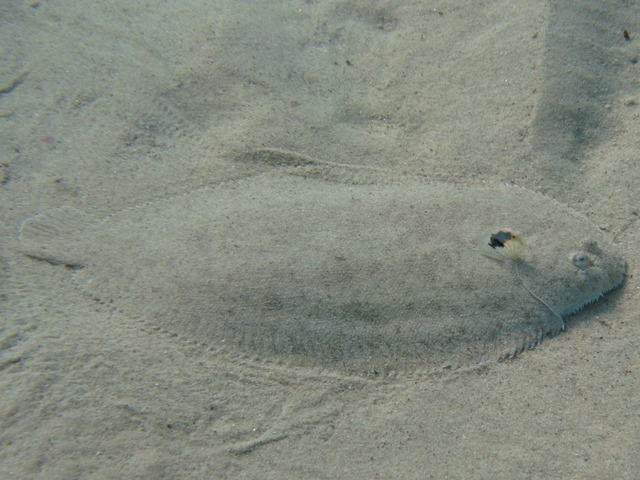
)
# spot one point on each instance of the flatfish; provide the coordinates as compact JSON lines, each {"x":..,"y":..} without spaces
{"x":339,"y":267}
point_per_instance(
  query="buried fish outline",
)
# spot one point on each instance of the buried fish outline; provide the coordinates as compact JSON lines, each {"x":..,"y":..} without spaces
{"x":351,"y":268}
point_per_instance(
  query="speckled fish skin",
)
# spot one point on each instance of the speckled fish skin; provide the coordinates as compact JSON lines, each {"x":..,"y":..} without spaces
{"x":357,"y":270}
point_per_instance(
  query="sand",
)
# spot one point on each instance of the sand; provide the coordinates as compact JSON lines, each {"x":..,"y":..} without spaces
{"x":103,"y":107}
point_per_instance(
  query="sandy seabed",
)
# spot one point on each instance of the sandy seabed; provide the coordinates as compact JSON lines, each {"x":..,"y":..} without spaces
{"x":105,"y":106}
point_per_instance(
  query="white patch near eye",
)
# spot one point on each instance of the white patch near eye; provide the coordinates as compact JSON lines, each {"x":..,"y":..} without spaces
{"x":581,"y":260}
{"x":502,"y":244}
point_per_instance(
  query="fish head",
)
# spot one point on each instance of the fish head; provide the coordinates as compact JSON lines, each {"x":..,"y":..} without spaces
{"x":568,"y":274}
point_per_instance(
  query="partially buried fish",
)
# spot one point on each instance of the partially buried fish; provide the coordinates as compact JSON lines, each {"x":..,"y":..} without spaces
{"x":333,"y":266}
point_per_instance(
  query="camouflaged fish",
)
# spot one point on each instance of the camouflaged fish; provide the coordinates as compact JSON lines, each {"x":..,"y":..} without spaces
{"x":340,"y":267}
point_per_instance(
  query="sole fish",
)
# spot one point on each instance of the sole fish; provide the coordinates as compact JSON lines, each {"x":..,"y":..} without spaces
{"x":340,"y":267}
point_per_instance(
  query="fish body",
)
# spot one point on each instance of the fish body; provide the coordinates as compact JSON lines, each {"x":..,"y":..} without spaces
{"x":340,"y":268}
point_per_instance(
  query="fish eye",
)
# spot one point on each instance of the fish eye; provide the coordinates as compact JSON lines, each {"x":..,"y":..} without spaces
{"x":581,"y":260}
